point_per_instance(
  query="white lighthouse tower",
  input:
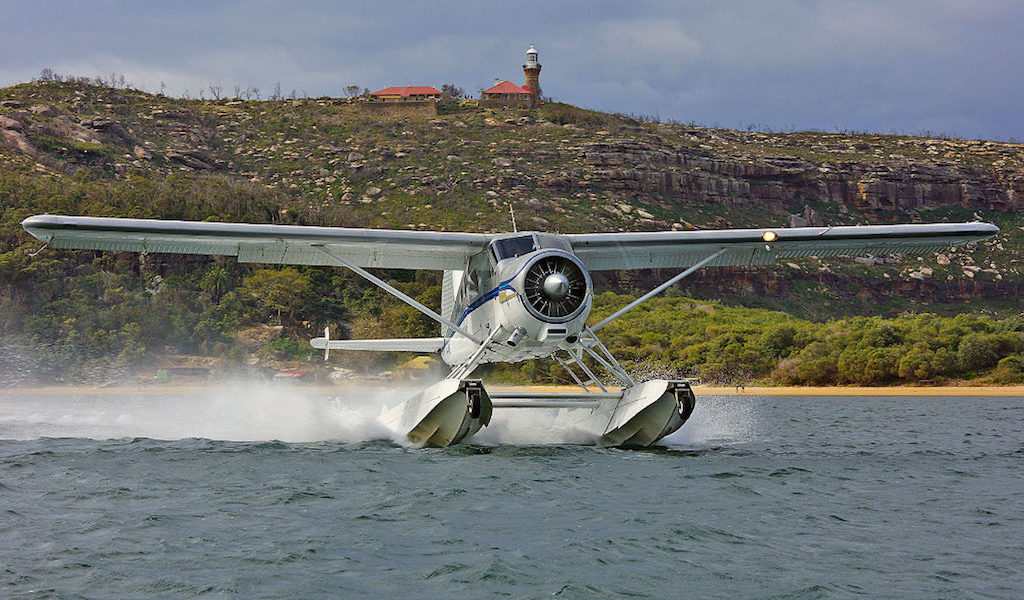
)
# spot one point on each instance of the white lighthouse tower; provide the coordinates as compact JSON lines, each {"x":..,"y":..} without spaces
{"x":532,"y":71}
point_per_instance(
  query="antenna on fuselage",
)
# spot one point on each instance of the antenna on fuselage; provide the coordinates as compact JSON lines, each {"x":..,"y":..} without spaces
{"x":513,"y":213}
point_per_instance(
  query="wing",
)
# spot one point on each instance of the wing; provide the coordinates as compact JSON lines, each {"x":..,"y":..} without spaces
{"x":278,"y":244}
{"x":668,"y":249}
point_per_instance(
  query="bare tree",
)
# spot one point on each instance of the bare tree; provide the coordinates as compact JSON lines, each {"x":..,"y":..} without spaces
{"x":450,"y":91}
{"x":215,"y":90}
{"x":163,"y":86}
{"x":277,"y":92}
{"x":46,"y":75}
{"x":238,"y":92}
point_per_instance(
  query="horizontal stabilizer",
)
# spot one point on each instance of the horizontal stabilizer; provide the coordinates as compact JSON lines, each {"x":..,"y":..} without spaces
{"x":392,"y":345}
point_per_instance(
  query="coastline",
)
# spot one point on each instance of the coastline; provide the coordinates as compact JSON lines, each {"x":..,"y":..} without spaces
{"x":995,"y":390}
{"x":699,"y":390}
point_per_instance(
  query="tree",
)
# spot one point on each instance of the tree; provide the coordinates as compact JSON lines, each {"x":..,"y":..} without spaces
{"x":917,"y":364}
{"x":882,"y":336}
{"x":285,"y":291}
{"x":215,"y":282}
{"x":868,"y":366}
{"x":1010,"y":370}
{"x":779,"y":340}
{"x":814,"y":365}
{"x":351,"y":91}
{"x":450,"y":91}
{"x":977,"y":351}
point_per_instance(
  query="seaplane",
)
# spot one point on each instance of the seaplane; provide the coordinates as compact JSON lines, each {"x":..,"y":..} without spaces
{"x":509,"y":297}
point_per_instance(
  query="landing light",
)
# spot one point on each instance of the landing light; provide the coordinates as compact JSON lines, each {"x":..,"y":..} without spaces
{"x":769,"y":236}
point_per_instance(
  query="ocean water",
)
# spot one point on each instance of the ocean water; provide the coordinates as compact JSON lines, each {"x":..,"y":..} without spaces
{"x":276,"y":493}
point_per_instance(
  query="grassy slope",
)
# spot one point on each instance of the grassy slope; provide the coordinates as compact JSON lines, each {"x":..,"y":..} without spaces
{"x":121,"y":152}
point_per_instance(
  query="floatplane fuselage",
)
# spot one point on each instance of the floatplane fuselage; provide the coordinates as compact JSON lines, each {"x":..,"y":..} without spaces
{"x":528,"y":292}
{"x":524,"y":296}
{"x":511,"y":297}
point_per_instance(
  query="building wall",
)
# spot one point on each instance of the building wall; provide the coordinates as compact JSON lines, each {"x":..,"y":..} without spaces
{"x":522,"y":102}
{"x":426,"y":108}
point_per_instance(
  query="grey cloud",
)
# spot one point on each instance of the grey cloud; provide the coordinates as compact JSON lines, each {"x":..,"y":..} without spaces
{"x":943,"y":65}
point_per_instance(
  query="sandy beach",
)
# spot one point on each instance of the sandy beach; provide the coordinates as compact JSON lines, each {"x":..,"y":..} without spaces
{"x":863,"y":391}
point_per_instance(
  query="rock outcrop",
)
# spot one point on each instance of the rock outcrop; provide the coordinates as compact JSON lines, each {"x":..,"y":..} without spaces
{"x":873,"y":186}
{"x":12,"y":135}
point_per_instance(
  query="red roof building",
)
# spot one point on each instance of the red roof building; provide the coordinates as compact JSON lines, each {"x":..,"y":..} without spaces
{"x":506,"y":90}
{"x":509,"y":95}
{"x":406,"y":94}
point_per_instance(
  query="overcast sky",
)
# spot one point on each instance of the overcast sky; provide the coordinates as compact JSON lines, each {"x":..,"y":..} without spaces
{"x":952,"y":67}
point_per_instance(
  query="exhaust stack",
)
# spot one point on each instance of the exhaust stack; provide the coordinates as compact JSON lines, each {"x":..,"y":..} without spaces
{"x":516,"y":337}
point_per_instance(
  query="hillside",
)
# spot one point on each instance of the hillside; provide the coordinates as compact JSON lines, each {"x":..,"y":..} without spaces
{"x":76,"y":148}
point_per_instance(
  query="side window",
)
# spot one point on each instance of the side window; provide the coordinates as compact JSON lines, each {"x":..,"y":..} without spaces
{"x":477,"y":281}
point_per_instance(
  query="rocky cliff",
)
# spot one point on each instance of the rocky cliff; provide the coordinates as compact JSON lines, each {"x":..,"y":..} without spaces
{"x":926,"y":174}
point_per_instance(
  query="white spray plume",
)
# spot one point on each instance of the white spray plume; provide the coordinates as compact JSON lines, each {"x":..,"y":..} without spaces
{"x":262,"y":412}
{"x":235,"y":412}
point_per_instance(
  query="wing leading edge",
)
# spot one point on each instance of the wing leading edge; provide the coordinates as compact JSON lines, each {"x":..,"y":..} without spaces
{"x":276,"y":244}
{"x":678,"y":249}
{"x":398,"y":249}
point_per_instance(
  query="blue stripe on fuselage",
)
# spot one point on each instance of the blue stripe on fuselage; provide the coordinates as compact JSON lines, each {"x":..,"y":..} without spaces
{"x":481,"y":300}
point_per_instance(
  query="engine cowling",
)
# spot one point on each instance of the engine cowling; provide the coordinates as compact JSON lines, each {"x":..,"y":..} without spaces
{"x":555,"y":287}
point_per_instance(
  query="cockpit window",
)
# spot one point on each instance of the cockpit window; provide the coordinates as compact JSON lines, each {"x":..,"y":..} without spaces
{"x":512,"y":247}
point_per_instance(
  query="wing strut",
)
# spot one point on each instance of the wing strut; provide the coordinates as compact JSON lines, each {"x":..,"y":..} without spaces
{"x":396,"y":293}
{"x":656,"y":291}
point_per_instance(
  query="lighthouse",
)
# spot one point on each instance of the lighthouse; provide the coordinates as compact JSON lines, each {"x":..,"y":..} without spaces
{"x":532,"y":71}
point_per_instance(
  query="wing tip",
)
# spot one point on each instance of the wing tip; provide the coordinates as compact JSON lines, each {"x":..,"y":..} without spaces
{"x":38,"y":225}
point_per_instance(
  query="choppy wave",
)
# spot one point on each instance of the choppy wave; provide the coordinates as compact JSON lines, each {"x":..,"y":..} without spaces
{"x":240,"y":492}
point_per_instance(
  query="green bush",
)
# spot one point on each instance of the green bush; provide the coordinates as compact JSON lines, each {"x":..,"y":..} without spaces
{"x":779,"y":340}
{"x":917,"y":364}
{"x":868,"y":366}
{"x":290,"y":349}
{"x":978,"y":351}
{"x":1010,"y":370}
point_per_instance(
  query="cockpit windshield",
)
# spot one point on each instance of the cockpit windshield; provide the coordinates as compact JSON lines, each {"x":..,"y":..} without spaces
{"x":512,"y":247}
